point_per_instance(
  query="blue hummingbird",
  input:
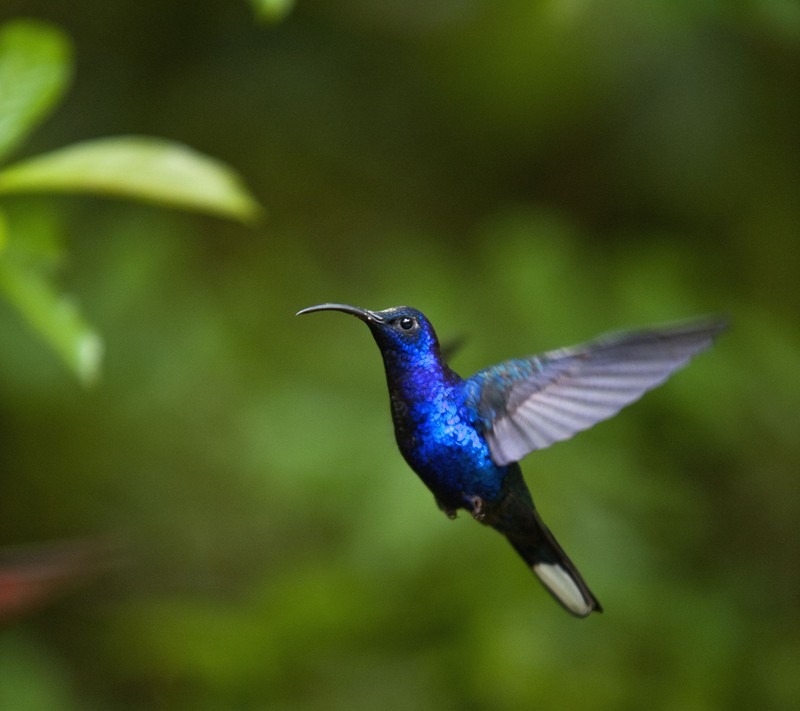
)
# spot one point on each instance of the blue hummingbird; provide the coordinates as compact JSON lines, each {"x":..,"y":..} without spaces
{"x":465,"y":437}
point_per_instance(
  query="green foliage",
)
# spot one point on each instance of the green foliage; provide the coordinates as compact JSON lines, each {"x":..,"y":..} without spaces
{"x":272,"y":10}
{"x":135,"y":167}
{"x":35,"y":66}
{"x":55,"y":317}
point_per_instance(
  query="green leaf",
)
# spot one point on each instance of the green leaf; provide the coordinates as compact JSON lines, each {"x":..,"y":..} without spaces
{"x":137,"y":167}
{"x":54,"y":317}
{"x":270,"y":11}
{"x":32,"y":234}
{"x":35,"y":67}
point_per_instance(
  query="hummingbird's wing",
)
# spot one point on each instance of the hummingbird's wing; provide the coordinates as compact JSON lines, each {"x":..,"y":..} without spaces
{"x":530,"y":403}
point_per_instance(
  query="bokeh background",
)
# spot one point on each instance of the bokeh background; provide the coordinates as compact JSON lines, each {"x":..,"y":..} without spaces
{"x":529,"y":174}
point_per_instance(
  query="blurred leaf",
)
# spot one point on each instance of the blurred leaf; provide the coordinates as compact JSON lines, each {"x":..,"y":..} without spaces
{"x":33,"y":233}
{"x":55,"y":317}
{"x":34,"y":71}
{"x":272,"y":10}
{"x":136,"y":167}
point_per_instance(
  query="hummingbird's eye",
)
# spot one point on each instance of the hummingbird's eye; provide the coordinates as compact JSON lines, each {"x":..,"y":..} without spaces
{"x":407,"y":323}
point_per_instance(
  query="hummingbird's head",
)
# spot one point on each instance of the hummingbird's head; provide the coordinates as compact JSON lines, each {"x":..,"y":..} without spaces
{"x":402,"y":333}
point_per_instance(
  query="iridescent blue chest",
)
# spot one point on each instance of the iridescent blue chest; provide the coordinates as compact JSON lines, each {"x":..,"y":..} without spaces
{"x":439,"y":436}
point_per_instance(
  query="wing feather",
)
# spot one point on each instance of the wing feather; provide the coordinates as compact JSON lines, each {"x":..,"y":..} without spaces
{"x":531,"y":403}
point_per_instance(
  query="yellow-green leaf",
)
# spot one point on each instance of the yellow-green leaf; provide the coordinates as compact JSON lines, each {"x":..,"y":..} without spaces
{"x":272,"y":10}
{"x":140,"y":168}
{"x":53,"y":316}
{"x":35,"y":67}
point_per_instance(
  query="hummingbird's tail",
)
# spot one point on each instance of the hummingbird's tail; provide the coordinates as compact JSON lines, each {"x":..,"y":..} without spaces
{"x":518,"y":520}
{"x":540,"y":550}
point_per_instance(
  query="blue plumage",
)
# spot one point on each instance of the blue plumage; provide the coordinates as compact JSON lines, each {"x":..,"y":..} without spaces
{"x":465,"y":437}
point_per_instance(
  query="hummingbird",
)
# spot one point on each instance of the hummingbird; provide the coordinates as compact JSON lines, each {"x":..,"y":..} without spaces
{"x":465,"y":437}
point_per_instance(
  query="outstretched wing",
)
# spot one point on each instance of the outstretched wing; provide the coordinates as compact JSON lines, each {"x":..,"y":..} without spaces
{"x":530,"y":403}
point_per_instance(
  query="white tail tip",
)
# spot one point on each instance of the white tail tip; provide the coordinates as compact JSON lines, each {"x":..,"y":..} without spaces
{"x":561,"y":584}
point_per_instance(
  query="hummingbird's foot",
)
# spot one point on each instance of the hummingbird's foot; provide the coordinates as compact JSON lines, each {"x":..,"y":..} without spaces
{"x":476,"y":507}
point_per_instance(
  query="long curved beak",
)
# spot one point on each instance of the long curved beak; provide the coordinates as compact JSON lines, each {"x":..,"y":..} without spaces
{"x":362,"y":314}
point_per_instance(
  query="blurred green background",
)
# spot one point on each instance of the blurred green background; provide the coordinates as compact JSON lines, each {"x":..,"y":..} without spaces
{"x":529,"y":174}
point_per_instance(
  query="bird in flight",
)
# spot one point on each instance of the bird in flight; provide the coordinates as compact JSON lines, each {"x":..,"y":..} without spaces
{"x":465,"y":437}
